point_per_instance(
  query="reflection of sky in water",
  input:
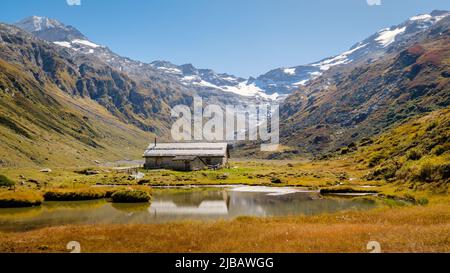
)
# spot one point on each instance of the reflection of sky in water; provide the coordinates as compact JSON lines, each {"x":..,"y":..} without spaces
{"x":169,"y":206}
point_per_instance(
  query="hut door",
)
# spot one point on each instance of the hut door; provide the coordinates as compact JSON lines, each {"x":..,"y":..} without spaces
{"x":187,"y":165}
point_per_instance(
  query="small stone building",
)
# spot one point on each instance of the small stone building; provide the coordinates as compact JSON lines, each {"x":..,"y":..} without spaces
{"x":186,"y":156}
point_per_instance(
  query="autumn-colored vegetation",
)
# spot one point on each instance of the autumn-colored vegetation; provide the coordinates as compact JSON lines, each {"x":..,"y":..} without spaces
{"x":408,"y":229}
{"x":19,"y":199}
{"x":130,"y":196}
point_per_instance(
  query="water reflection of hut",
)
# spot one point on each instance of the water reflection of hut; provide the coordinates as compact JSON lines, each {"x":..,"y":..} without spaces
{"x":218,"y":207}
{"x":191,"y":203}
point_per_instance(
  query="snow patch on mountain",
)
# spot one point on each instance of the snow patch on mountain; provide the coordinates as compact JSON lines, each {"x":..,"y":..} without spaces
{"x":422,"y":17}
{"x":289,"y":71}
{"x":206,"y":84}
{"x":63,"y":44}
{"x":170,"y":70}
{"x":429,"y":17}
{"x":231,"y":79}
{"x":83,"y":46}
{"x":190,"y":78}
{"x":246,"y":90}
{"x":387,"y":36}
{"x":304,"y":82}
{"x":338,"y":60}
{"x":85,"y":42}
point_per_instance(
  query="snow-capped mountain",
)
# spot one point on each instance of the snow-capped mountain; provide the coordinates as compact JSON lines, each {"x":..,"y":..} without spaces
{"x":283,"y":81}
{"x":274,"y":85}
{"x":206,"y":79}
{"x":54,"y":31}
{"x":280,"y":82}
{"x":384,"y":40}
{"x":287,"y":79}
{"x":186,"y":76}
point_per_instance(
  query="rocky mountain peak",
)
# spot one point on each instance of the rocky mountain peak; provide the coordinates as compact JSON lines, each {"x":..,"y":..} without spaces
{"x":50,"y":29}
{"x":38,"y":23}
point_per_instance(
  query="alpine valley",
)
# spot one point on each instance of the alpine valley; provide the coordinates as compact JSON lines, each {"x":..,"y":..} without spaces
{"x":363,"y":164}
{"x":106,"y":101}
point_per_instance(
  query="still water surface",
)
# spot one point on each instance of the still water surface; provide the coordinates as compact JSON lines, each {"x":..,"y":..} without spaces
{"x":170,"y":205}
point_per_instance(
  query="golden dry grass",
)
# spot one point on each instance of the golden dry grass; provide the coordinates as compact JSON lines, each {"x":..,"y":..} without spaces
{"x":410,"y":229}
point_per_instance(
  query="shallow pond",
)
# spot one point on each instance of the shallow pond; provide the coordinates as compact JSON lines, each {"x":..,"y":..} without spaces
{"x":170,"y":205}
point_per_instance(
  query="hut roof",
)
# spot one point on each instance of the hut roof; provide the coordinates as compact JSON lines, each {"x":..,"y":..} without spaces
{"x":187,"y":149}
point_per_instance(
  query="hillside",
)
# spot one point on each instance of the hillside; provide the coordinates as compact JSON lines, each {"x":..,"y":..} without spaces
{"x":346,"y":105}
{"x":286,"y":80}
{"x":416,"y":151}
{"x":46,"y":127}
{"x":68,"y":91}
{"x":59,"y":110}
{"x":169,"y":78}
{"x":144,"y":104}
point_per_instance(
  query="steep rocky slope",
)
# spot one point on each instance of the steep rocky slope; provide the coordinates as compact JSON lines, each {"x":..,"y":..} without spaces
{"x":286,"y":80}
{"x":345,"y":105}
{"x":57,"y":108}
{"x":213,"y":87}
{"x":41,"y":125}
{"x":145,"y":104}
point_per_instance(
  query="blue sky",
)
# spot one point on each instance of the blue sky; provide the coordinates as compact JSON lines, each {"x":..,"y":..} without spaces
{"x":241,"y":37}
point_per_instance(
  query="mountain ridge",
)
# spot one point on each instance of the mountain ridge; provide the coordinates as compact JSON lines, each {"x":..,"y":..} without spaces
{"x":359,"y":101}
{"x":273,"y":85}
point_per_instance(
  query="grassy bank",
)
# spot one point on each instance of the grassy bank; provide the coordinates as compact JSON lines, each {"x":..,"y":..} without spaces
{"x":331,"y":190}
{"x":284,"y":173}
{"x":83,"y":194}
{"x":409,"y":229}
{"x":338,"y":175}
{"x":131,"y":196}
{"x":20,"y":199}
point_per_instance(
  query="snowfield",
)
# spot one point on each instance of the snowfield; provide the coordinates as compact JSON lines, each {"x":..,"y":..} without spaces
{"x":387,"y":36}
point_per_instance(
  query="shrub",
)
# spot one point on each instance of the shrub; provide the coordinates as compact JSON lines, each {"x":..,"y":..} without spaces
{"x":275,"y":180}
{"x":342,"y":176}
{"x":433,"y":125}
{"x":351,"y":145}
{"x":413,"y":154}
{"x":444,"y":171}
{"x":422,"y":201}
{"x":130,"y":196}
{"x":438,"y":150}
{"x":425,"y":172}
{"x":331,"y":190}
{"x":365,"y":141}
{"x":88,"y":171}
{"x":387,"y":171}
{"x":6,"y":182}
{"x":76,"y":195}
{"x":20,"y":199}
{"x":375,"y":159}
{"x":223,"y":176}
{"x":143,"y":181}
